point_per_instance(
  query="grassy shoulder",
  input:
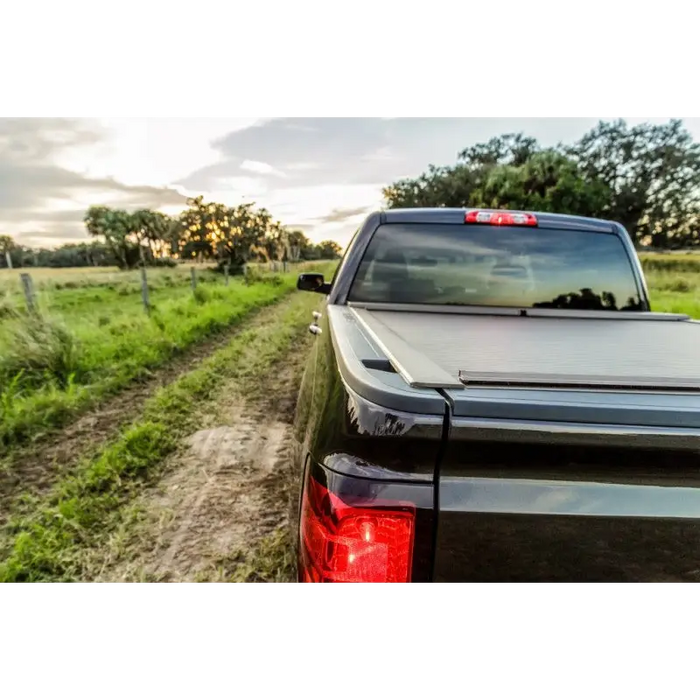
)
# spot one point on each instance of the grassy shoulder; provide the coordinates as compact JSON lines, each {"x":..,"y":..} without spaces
{"x":55,"y":540}
{"x":52,"y":369}
{"x":674,"y":282}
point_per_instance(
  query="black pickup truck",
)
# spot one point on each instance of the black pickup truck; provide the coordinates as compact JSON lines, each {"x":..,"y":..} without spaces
{"x":490,"y":398}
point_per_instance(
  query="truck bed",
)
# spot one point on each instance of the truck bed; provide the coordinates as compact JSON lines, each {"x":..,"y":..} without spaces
{"x":636,"y":369}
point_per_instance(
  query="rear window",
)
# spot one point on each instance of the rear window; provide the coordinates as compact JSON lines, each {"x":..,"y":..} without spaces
{"x":496,"y":266}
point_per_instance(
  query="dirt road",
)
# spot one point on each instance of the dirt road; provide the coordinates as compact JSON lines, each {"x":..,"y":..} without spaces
{"x":222,"y":510}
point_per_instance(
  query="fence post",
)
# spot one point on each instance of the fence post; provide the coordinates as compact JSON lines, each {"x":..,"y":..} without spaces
{"x":28,"y":287}
{"x":9,"y":259}
{"x":144,"y":291}
{"x":193,"y":274}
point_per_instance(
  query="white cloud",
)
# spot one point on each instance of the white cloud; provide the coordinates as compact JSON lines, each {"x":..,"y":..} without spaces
{"x":256,"y":166}
{"x":156,"y":151}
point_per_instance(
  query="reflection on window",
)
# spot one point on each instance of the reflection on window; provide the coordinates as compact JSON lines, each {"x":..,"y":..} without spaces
{"x":488,"y":266}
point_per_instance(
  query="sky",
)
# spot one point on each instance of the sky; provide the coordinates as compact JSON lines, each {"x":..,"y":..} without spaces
{"x":322,"y":175}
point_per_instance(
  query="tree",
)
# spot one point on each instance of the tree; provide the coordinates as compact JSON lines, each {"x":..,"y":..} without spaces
{"x":246,"y":237}
{"x":205,"y":230}
{"x":120,"y":231}
{"x":546,"y":181}
{"x":329,"y":250}
{"x":463,"y":184}
{"x":197,"y":227}
{"x":7,"y":245}
{"x":653,"y":172}
{"x":300,"y":247}
{"x":509,"y":149}
{"x":232,"y":235}
{"x":277,"y":242}
{"x":646,"y":177}
{"x":88,"y":254}
{"x":152,"y":227}
{"x":508,"y":173}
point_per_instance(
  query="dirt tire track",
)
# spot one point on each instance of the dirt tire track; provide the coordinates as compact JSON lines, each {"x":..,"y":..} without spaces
{"x":33,"y":469}
{"x":231,"y":485}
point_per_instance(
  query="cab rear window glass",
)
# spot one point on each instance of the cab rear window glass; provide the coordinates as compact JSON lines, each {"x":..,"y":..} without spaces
{"x":445,"y":264}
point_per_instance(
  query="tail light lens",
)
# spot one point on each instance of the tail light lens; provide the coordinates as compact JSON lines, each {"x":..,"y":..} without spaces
{"x":346,"y":544}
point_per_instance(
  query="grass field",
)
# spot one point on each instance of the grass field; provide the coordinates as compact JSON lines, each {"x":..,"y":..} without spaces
{"x":674,"y":282}
{"x":93,"y":336}
{"x":155,"y":447}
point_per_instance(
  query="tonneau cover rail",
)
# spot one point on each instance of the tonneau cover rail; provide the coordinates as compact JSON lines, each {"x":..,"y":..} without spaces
{"x":588,"y":382}
{"x":460,"y":310}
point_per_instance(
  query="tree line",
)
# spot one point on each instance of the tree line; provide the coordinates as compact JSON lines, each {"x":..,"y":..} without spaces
{"x":204,"y":231}
{"x":646,"y":177}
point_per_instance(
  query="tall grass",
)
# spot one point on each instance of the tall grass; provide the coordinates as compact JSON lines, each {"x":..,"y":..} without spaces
{"x":8,"y":306}
{"x":40,"y":349}
{"x":674,"y":282}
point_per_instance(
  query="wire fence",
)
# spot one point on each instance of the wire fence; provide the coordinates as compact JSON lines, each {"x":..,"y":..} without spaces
{"x":46,"y":285}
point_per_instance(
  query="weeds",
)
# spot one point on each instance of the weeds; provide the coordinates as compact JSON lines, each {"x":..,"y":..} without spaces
{"x":8,"y":308}
{"x":271,"y":561}
{"x":40,"y":350}
{"x":202,"y":295}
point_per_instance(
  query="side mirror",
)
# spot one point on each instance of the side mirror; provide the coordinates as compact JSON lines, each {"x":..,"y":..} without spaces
{"x":313,"y":282}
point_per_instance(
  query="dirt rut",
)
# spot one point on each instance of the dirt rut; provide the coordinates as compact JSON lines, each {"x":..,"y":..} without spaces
{"x":227,"y":489}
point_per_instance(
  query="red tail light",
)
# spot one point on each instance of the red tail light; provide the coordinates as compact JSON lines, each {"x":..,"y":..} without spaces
{"x":346,"y":544}
{"x":500,"y":218}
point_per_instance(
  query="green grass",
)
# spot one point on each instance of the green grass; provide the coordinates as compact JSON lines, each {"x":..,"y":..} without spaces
{"x":271,"y":561}
{"x":674,"y":282}
{"x":54,"y":542}
{"x":49,"y":280}
{"x":52,"y":369}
